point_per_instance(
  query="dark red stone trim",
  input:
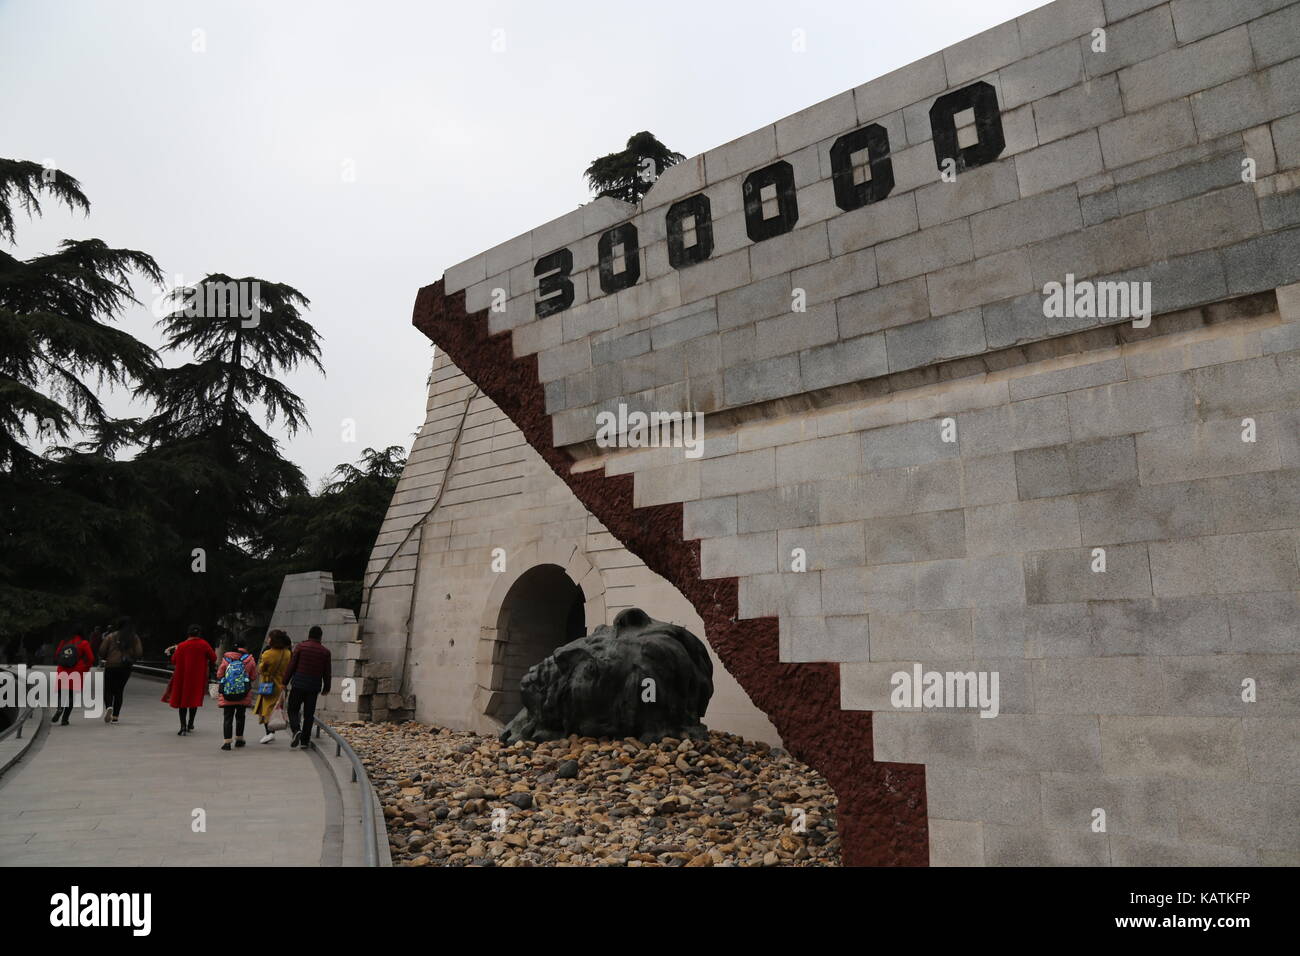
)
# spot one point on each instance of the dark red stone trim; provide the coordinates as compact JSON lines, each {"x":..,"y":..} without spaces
{"x":882,"y":811}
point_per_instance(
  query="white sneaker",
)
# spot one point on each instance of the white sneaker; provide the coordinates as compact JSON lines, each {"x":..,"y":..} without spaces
{"x":268,"y":738}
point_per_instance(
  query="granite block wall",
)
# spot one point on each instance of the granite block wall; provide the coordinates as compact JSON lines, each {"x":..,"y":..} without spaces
{"x":436,"y":582}
{"x":914,"y":457}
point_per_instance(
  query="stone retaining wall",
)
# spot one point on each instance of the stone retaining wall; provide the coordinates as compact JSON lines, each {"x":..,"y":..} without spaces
{"x":890,"y":401}
{"x":436,"y":583}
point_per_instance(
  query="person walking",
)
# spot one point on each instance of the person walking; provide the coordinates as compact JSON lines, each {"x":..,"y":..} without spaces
{"x":72,"y":658}
{"x":95,"y":640}
{"x":120,"y":650}
{"x":307,"y":677}
{"x":271,"y":669}
{"x":192,"y":661}
{"x":236,"y":681}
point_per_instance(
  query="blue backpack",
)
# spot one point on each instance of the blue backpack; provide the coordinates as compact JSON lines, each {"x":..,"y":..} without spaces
{"x":235,"y":683}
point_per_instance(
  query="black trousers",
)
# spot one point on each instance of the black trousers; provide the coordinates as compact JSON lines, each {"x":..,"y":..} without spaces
{"x":304,"y":702}
{"x":115,"y":679}
{"x":231,"y":714}
{"x":64,"y":691}
{"x":187,"y":716}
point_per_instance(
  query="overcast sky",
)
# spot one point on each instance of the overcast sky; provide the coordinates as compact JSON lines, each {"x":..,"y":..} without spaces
{"x":227,"y":149}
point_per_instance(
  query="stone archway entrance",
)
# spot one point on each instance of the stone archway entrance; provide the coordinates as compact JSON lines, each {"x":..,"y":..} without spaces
{"x":549,"y":577}
{"x":543,"y":609}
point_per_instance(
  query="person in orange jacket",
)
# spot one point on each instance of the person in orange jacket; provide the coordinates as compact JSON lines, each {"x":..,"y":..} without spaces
{"x":236,"y":683}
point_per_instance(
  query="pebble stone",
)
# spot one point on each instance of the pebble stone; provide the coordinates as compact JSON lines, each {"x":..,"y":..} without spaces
{"x":453,"y":798}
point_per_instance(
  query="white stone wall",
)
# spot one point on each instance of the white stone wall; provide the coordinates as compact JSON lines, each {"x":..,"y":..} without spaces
{"x":1120,"y":690}
{"x":499,"y":494}
{"x":1113,"y":162}
{"x":307,"y":600}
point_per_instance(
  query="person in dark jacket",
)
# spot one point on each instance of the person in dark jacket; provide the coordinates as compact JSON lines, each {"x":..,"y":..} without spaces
{"x":120,"y":650}
{"x":96,"y":638}
{"x":307,"y":677}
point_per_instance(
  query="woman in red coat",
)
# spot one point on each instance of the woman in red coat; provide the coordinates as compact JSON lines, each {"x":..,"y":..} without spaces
{"x":74,"y":657}
{"x":192,"y":661}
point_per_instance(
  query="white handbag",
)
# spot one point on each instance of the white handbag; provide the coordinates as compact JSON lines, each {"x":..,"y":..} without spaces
{"x":279,"y":720}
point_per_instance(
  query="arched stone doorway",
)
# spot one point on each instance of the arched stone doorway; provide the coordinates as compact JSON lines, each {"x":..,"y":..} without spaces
{"x":548,"y":594}
{"x":542,"y":610}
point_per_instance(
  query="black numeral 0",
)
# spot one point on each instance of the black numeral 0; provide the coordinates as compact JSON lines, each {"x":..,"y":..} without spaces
{"x":983,"y":100}
{"x":611,"y":281}
{"x":697,"y":208}
{"x":875,"y":140}
{"x":780,"y":175}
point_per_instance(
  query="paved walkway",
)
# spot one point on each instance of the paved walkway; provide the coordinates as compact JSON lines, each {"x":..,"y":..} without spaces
{"x":94,"y":794}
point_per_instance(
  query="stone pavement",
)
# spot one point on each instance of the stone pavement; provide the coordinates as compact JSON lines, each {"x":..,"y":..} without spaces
{"x":92,"y":794}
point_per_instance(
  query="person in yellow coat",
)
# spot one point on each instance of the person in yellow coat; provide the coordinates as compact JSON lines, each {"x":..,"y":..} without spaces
{"x":270,"y":671}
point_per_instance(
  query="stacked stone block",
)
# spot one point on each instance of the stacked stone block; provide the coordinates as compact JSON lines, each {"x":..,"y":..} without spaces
{"x":432,"y":596}
{"x":1144,"y":141}
{"x":308,"y":600}
{"x":1115,"y":161}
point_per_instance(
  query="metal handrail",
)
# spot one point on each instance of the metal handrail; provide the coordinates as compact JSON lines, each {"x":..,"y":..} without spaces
{"x":15,"y":729}
{"x":359,"y":775}
{"x":151,"y":670}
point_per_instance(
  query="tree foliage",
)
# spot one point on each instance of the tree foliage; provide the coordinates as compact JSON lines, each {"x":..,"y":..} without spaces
{"x":333,"y":529}
{"x":69,"y":512}
{"x":626,"y":175}
{"x":206,"y":431}
{"x":102,"y":516}
{"x":24,"y":181}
